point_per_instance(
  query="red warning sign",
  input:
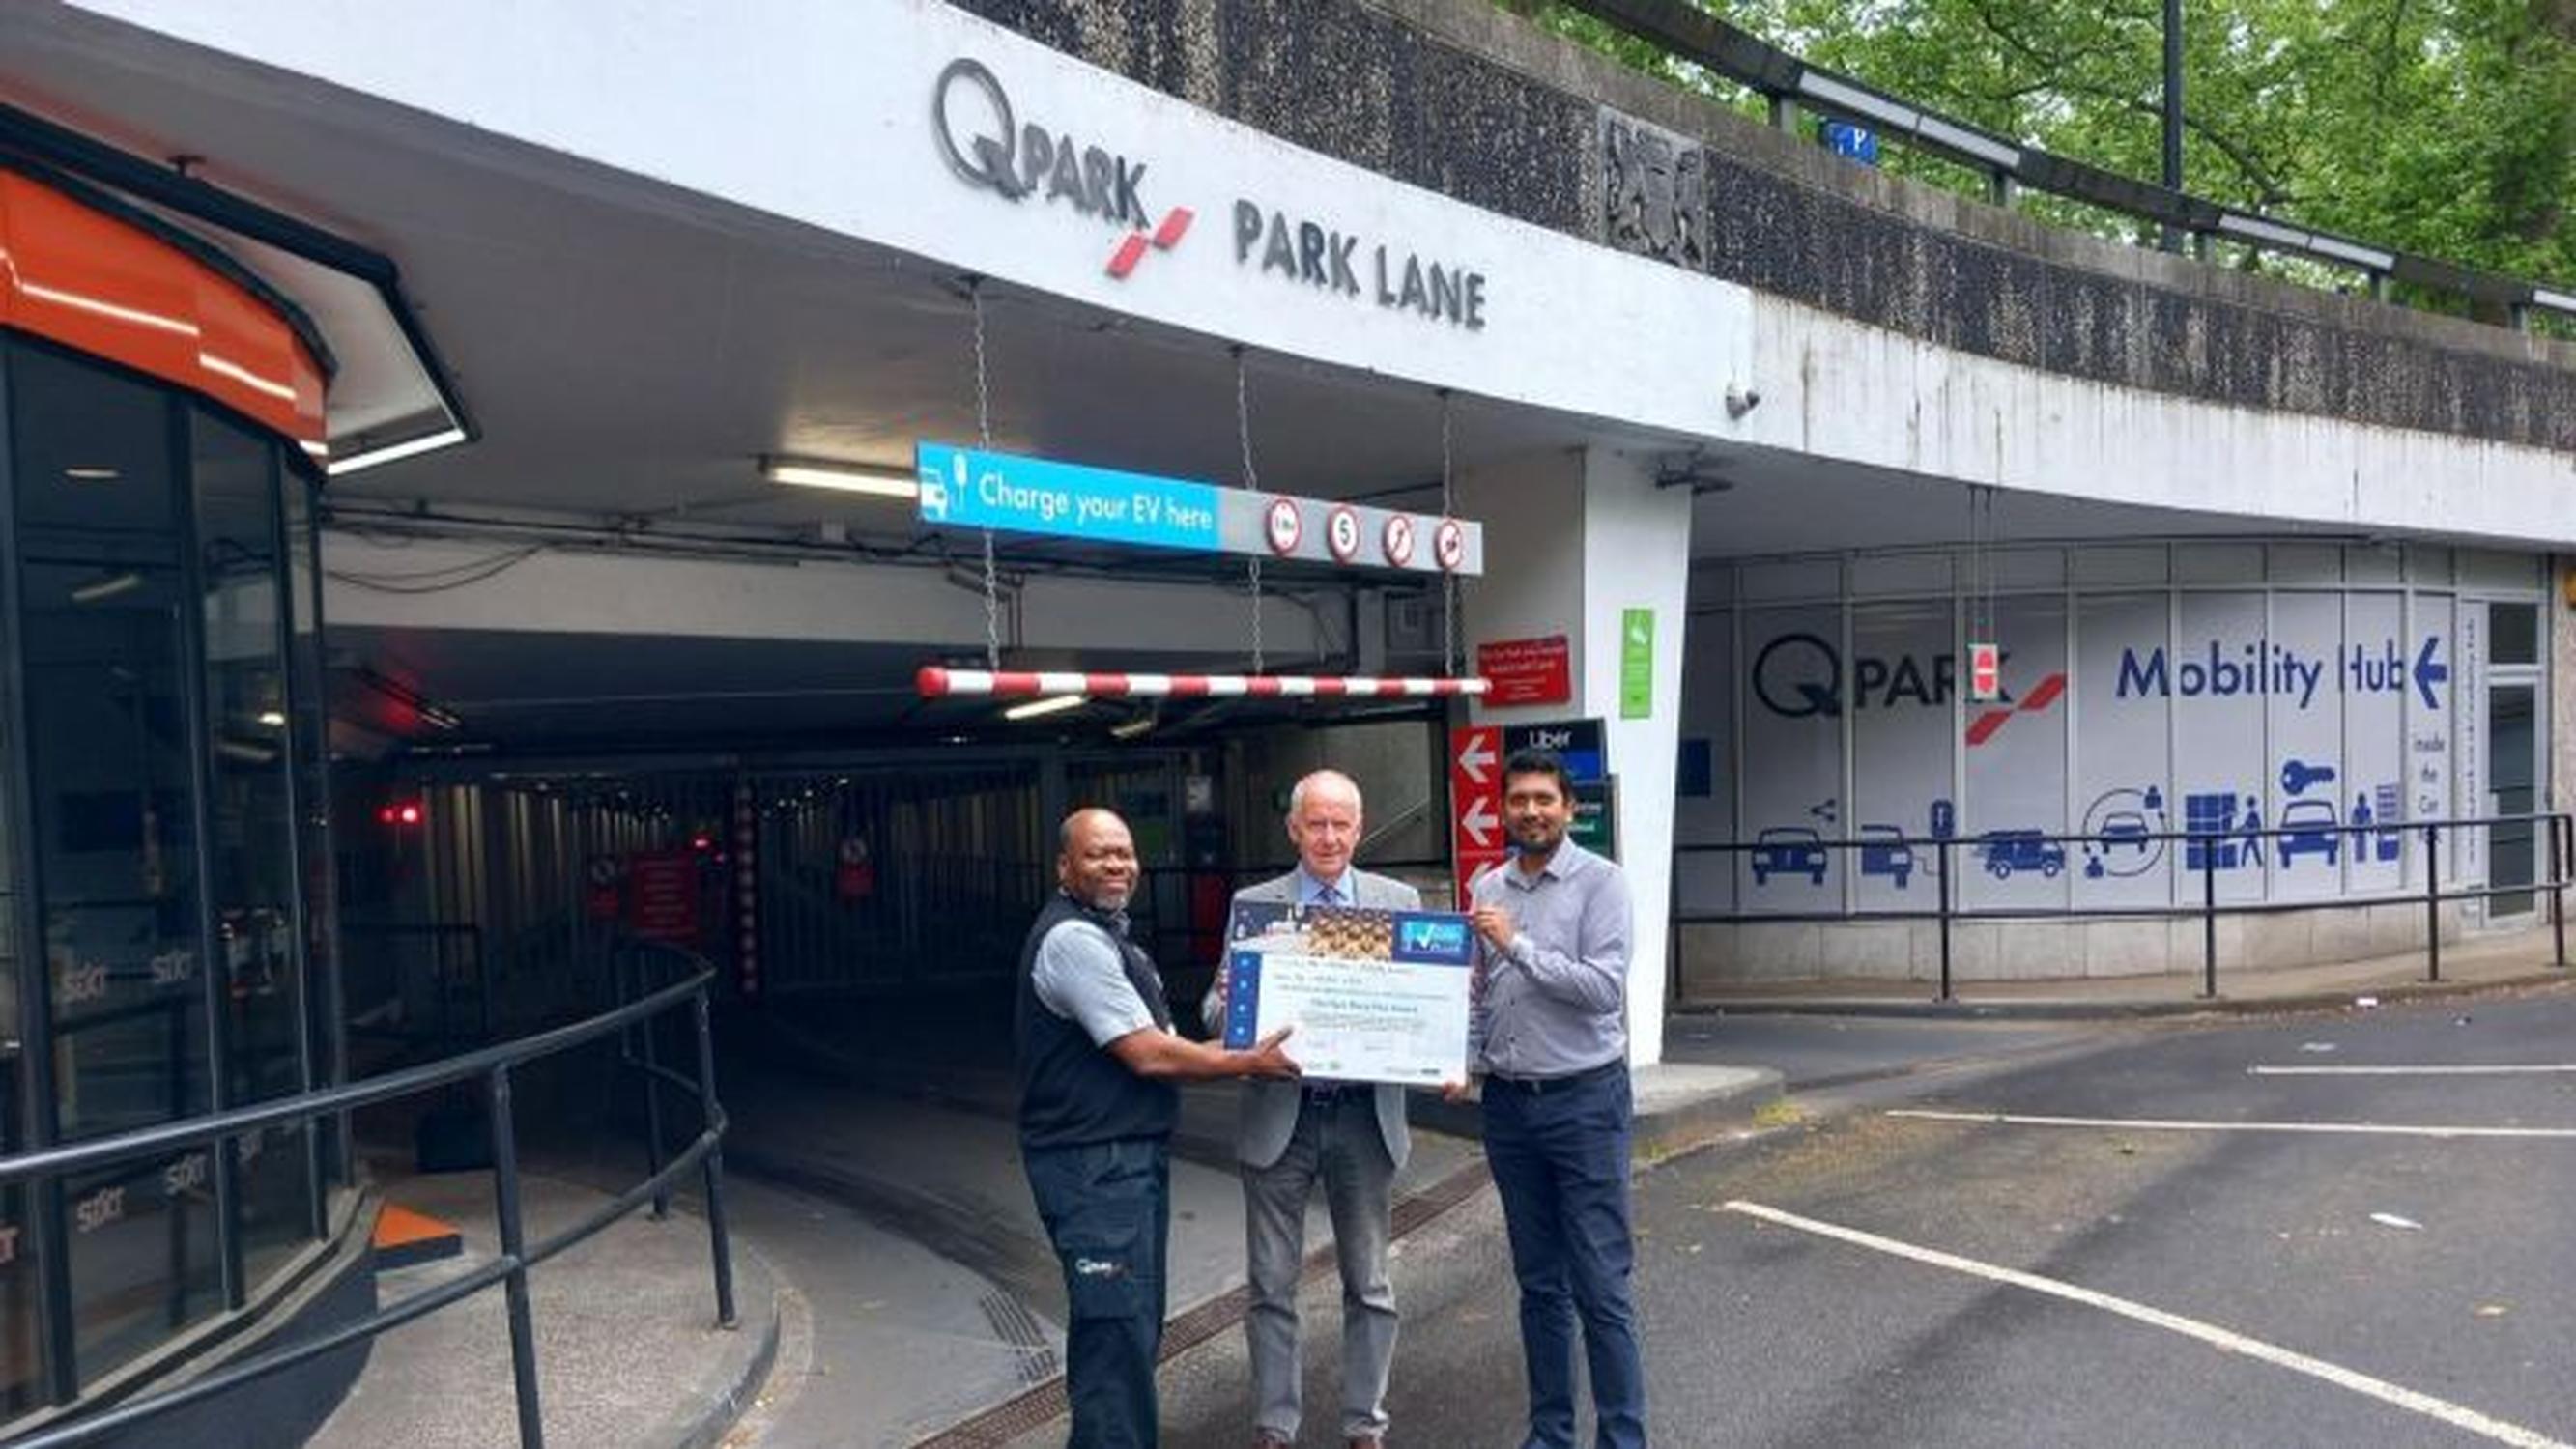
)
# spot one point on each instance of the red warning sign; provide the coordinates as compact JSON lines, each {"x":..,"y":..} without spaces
{"x":662,"y":896}
{"x":1985,"y":673}
{"x":1475,"y":801}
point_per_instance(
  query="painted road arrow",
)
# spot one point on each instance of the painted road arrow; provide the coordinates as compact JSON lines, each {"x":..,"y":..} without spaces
{"x":2428,"y":672}
{"x":1479,"y":821}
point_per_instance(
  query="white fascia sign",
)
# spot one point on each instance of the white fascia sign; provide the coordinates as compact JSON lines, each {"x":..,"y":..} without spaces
{"x":1054,"y":174}
{"x":915,"y":126}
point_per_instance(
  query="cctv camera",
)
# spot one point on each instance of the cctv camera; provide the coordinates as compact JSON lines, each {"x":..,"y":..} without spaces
{"x":1741,"y":400}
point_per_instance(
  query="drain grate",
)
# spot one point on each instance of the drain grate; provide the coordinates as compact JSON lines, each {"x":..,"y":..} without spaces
{"x":1015,"y":1325}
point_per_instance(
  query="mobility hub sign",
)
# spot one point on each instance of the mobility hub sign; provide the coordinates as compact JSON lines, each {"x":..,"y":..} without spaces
{"x":2265,"y":668}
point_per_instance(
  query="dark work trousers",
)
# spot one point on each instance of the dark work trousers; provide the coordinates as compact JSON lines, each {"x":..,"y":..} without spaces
{"x":1107,"y":1207}
{"x":1559,"y":1155}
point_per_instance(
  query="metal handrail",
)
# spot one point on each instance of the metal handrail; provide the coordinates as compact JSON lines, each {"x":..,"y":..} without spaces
{"x":2561,"y":836}
{"x":510,"y":1269}
{"x":1789,"y":82}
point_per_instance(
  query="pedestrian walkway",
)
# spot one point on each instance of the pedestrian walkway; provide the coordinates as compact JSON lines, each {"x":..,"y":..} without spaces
{"x":821,"y":1131}
{"x":628,"y":1350}
{"x":2479,"y":962}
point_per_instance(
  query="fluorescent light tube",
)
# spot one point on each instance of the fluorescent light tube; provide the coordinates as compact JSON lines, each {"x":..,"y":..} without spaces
{"x":870,"y":478}
{"x":446,"y":437}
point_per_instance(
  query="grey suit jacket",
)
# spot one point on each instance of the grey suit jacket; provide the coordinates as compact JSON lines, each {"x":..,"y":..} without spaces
{"x":1270,"y":1108}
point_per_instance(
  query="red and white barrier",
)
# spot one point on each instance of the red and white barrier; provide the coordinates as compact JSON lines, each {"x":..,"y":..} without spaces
{"x":935,"y":682}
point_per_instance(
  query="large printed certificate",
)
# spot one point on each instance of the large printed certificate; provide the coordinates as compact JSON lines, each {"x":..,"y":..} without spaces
{"x":1375,"y":996}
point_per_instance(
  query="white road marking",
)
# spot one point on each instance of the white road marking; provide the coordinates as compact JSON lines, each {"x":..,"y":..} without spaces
{"x":2431,"y":1071}
{"x":2224,"y":1340}
{"x":2167,"y":1124}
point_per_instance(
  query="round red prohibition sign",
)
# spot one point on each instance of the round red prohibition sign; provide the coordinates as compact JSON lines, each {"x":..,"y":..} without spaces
{"x":1449,"y":544}
{"x":1342,"y":533}
{"x":1283,"y":526}
{"x":1396,"y":540}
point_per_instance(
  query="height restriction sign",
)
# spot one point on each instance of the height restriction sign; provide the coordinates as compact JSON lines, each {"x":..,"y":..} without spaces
{"x":1985,"y":673}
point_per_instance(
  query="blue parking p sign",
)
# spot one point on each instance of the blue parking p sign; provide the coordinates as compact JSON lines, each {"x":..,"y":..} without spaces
{"x":1858,"y":143}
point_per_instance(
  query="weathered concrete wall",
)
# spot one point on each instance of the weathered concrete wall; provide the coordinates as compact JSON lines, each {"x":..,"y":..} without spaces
{"x":1460,"y":97}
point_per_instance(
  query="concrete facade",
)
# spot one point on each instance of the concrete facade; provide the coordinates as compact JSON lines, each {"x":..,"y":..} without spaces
{"x":1458,"y":96}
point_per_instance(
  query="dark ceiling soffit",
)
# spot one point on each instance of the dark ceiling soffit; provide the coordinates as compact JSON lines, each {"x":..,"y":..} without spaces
{"x":32,"y":140}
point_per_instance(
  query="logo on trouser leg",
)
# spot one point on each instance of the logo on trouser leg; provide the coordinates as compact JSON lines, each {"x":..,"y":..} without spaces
{"x":1098,"y":1267}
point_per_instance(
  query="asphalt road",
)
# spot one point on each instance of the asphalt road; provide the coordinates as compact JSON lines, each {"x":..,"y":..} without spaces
{"x":2296,"y":1318}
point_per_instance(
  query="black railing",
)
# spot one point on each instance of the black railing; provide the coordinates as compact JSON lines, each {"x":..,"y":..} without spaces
{"x":1790,"y":84}
{"x":2007,"y":853}
{"x":43,"y":1172}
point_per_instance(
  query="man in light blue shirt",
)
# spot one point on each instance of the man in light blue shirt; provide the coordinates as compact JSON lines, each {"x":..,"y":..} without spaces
{"x":1548,"y":1035}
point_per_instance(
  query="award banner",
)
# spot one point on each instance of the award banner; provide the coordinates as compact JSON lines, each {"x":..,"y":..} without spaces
{"x":1374,"y":996}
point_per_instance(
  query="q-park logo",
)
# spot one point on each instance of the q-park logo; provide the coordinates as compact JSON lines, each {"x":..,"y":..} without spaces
{"x":1799,"y":675}
{"x":984,"y":140}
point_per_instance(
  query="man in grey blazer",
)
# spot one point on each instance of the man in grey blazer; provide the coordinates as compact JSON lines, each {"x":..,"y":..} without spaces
{"x":1350,"y":1136}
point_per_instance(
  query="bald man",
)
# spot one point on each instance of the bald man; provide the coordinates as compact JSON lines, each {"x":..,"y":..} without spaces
{"x":1098,"y":1064}
{"x":1348,"y":1136}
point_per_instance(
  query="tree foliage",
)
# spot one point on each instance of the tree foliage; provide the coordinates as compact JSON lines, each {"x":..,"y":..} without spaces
{"x":2441,"y":127}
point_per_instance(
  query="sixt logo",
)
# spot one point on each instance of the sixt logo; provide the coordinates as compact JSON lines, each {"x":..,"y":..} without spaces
{"x":984,"y":141}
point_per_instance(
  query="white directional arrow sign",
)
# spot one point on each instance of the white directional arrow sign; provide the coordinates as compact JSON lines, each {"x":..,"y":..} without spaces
{"x":1480,"y":821}
{"x":1478,"y":754}
{"x":1475,"y":801}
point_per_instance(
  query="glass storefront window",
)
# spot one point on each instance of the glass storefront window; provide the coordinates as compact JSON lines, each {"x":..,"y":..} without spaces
{"x":110,"y":768}
{"x":17,"y":1295}
{"x":145,"y":1258}
{"x":170,"y":658}
{"x":250,"y":883}
{"x":2513,"y":633}
{"x":108,"y":755}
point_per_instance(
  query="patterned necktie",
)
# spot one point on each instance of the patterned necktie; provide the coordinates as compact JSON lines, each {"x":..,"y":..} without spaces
{"x":1328,"y":896}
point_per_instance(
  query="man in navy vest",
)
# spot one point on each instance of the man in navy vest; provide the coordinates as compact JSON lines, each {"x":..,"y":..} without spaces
{"x":1098,"y":1061}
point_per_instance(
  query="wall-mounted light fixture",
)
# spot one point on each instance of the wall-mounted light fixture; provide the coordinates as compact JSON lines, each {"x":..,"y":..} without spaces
{"x":877,"y":479}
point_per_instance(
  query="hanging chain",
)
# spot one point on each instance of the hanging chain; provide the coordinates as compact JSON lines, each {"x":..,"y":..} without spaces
{"x":1986,"y":531}
{"x":984,"y":441}
{"x":1251,"y":484}
{"x":1448,"y":577}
